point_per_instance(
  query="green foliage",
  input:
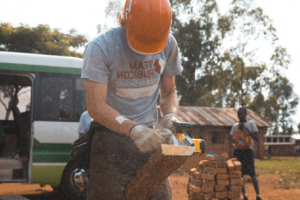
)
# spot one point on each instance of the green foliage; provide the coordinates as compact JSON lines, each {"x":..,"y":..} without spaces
{"x":235,"y":76}
{"x":40,"y":40}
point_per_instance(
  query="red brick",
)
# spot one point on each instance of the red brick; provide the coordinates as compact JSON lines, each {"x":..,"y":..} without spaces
{"x":223,"y":182}
{"x":209,"y":177}
{"x":209,"y":196}
{"x":235,"y":188}
{"x":197,"y":175}
{"x":221,"y":170}
{"x":233,"y":159}
{"x":236,"y":175}
{"x":237,"y":165}
{"x":222,"y":164}
{"x":239,"y":181}
{"x":232,"y":195}
{"x":213,"y":164}
{"x":196,"y":196}
{"x":194,"y":189}
{"x":221,"y":195}
{"x":206,"y":183}
{"x":230,"y":165}
{"x":222,"y":176}
{"x":210,"y":157}
{"x":196,"y":182}
{"x":207,"y":189}
{"x":220,"y":158}
{"x":201,"y":163}
{"x":221,"y":188}
{"x":209,"y":170}
{"x":225,"y":155}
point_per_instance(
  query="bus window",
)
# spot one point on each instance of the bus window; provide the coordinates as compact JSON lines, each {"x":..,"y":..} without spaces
{"x":56,"y":97}
{"x":80,"y":98}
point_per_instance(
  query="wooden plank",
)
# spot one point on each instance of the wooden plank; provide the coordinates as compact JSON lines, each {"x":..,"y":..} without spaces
{"x":158,"y":168}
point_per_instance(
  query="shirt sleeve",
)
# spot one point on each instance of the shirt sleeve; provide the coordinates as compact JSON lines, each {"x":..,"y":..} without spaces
{"x":173,"y":65}
{"x":233,"y":129}
{"x":95,"y":62}
{"x":253,"y":127}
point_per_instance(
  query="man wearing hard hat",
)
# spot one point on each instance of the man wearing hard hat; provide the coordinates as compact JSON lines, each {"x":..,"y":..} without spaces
{"x":125,"y":69}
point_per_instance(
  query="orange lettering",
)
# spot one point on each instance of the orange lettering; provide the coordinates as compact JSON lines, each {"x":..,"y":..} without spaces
{"x":140,"y":66}
{"x":146,"y":65}
{"x":126,"y":75}
{"x":140,"y":74}
{"x":150,"y":63}
{"x":134,"y":67}
{"x":132,"y":75}
{"x":150,"y":73}
{"x":120,"y":75}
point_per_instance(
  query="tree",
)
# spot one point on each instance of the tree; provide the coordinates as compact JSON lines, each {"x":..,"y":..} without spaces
{"x":40,"y":40}
{"x":221,"y":64}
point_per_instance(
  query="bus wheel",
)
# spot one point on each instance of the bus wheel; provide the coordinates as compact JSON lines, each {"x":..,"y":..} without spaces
{"x":73,"y":181}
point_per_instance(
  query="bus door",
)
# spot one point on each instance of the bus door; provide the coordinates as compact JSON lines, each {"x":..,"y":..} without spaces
{"x":16,"y":91}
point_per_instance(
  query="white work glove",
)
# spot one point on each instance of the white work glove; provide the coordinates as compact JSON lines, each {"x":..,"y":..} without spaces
{"x":167,"y":120}
{"x":147,"y":139}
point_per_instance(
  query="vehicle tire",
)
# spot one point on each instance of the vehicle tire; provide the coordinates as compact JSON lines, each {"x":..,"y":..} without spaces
{"x":73,"y":183}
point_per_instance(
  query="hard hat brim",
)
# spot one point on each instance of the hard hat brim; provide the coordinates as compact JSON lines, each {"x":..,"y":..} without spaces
{"x":145,"y":47}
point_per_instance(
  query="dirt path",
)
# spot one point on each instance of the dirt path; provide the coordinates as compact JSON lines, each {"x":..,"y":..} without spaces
{"x":179,"y":185}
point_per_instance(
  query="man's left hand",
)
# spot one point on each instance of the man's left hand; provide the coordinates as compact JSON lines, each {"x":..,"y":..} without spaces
{"x":167,"y":120}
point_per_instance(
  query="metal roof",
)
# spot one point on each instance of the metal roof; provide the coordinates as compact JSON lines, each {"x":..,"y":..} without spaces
{"x":205,"y":116}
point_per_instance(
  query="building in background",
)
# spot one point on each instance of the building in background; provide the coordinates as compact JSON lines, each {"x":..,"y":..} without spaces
{"x":283,"y":145}
{"x":214,"y":125}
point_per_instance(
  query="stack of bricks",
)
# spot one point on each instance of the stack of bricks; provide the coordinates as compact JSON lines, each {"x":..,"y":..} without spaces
{"x":216,"y":178}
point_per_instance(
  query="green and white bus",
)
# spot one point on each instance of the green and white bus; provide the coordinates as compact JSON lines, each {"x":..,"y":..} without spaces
{"x":41,"y":100}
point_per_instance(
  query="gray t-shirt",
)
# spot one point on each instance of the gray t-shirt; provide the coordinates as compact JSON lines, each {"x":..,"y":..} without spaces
{"x":133,"y":80}
{"x":250,"y":125}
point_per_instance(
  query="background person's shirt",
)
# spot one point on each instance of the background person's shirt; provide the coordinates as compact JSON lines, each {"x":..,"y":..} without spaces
{"x":250,"y":125}
{"x":84,"y":123}
{"x":133,"y":80}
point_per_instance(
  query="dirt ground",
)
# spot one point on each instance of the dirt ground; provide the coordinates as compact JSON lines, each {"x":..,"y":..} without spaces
{"x":179,"y":185}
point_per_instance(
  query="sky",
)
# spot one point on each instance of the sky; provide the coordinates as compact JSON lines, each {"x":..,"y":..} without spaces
{"x":84,"y":16}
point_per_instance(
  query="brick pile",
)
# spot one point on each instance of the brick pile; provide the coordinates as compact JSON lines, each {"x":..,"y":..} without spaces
{"x":216,"y":178}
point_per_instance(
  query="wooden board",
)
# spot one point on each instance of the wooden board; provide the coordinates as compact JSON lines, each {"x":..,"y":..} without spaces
{"x":159,"y":167}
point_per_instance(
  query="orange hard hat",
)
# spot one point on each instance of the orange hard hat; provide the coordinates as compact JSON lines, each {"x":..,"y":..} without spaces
{"x":147,"y":25}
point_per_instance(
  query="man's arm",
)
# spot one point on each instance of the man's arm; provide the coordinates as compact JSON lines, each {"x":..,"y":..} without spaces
{"x":101,"y":112}
{"x":168,"y":96}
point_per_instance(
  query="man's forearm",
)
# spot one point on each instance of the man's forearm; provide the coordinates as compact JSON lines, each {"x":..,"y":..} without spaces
{"x":107,"y":116}
{"x":169,"y":103}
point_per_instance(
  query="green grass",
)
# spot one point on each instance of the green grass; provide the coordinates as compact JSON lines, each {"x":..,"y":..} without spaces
{"x":287,"y":168}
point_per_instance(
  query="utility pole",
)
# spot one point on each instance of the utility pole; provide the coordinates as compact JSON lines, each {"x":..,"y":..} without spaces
{"x":242,"y":81}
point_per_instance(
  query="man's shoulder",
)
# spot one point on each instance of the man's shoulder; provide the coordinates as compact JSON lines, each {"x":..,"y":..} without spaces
{"x":105,"y":36}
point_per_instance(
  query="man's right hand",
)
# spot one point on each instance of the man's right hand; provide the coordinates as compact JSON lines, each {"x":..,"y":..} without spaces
{"x":147,"y":139}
